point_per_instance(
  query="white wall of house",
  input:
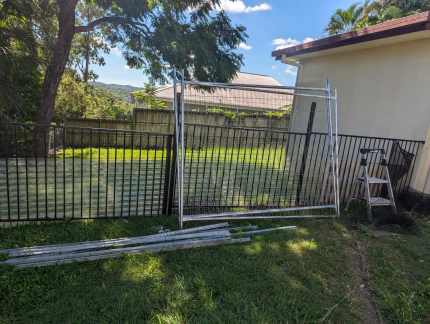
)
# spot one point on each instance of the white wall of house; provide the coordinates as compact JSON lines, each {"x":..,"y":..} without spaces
{"x":384,"y":91}
{"x":421,"y":178}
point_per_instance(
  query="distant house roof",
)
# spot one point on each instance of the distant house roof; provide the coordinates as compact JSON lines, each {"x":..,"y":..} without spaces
{"x":234,"y":98}
{"x":390,"y":28}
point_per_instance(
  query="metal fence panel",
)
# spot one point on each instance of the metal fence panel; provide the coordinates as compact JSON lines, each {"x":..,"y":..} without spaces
{"x":105,"y":173}
{"x":81,"y":173}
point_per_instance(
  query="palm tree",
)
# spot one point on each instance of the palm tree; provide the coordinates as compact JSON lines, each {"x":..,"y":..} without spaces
{"x":372,"y":12}
{"x":407,"y":7}
{"x":345,"y":20}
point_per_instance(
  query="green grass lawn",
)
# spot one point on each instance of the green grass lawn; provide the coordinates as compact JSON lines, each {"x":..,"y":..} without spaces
{"x":285,"y":276}
{"x":108,"y":182}
{"x":298,"y":276}
{"x":273,"y":156}
{"x":400,"y":274}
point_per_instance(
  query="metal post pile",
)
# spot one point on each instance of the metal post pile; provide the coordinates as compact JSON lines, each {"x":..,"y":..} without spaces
{"x":203,"y":236}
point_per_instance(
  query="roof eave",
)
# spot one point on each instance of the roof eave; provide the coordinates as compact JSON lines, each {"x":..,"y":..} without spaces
{"x":347,"y":39}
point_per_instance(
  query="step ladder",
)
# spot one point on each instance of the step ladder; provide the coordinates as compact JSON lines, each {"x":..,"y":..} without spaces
{"x":367,"y":181}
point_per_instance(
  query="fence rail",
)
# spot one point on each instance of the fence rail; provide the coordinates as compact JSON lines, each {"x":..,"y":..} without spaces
{"x":56,"y":172}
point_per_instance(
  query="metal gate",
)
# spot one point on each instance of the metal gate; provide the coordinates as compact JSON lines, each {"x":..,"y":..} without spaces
{"x":236,"y":172}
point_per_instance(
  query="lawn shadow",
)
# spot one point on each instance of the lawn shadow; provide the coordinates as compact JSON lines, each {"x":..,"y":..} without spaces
{"x":293,"y":276}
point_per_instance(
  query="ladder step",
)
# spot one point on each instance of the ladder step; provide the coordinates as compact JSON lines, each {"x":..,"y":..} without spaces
{"x":373,"y":180}
{"x":379,"y":201}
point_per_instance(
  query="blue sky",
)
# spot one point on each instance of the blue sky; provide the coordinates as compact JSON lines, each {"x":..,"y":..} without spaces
{"x":270,"y":24}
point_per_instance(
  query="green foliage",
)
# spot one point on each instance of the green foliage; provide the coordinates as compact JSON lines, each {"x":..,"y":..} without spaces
{"x":77,"y":99}
{"x":87,"y":47}
{"x":147,"y":98}
{"x":288,"y":109}
{"x":232,"y":115}
{"x":275,"y":114}
{"x":345,"y":20}
{"x":369,"y":13}
{"x":390,"y":12}
{"x":45,"y":28}
{"x":219,"y":110}
{"x":20,"y":77}
{"x":118,"y":90}
{"x":153,"y":35}
{"x":243,"y":114}
{"x":162,"y":34}
{"x":215,"y":110}
{"x":408,"y":7}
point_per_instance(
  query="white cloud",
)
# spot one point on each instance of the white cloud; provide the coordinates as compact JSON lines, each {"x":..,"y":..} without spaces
{"x":245,"y":46}
{"x":127,"y":67}
{"x":291,"y":70}
{"x":282,"y":43}
{"x":239,"y":6}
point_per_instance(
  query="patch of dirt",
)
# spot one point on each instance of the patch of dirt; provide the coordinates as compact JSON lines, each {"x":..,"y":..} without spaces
{"x":361,"y":291}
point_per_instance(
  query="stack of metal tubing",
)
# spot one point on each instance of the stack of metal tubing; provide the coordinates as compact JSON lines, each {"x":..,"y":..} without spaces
{"x":203,"y":236}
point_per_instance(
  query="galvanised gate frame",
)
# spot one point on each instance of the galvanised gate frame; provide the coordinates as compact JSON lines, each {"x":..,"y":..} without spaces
{"x":329,"y":98}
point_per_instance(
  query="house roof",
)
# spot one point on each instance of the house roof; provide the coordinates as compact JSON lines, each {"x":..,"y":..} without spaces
{"x":390,"y":28}
{"x":234,"y":98}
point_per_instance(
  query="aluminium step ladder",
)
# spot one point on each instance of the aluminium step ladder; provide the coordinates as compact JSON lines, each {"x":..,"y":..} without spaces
{"x":367,"y":181}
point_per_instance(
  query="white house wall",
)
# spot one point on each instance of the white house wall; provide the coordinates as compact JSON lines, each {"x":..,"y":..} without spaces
{"x":383,"y":92}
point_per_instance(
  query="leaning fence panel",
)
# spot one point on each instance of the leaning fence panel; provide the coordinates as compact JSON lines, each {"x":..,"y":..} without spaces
{"x":246,"y":169}
{"x":253,"y":158}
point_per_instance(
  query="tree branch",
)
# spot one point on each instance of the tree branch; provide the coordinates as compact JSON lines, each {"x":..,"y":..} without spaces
{"x":93,"y":24}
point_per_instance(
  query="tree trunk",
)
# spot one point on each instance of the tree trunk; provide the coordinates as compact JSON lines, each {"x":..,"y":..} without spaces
{"x":87,"y":50}
{"x":87,"y":59}
{"x":55,"y":69}
{"x":54,"y":72}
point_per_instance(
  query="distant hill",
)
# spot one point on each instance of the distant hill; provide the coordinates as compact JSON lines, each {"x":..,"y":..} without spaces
{"x":118,"y":90}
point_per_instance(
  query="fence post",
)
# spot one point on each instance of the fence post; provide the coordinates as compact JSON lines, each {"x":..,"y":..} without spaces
{"x":305,"y":151}
{"x":172,"y":176}
{"x":167,"y":176}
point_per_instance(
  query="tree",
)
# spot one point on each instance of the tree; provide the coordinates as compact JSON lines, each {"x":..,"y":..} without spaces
{"x":147,"y":97}
{"x":407,"y":7}
{"x":87,"y":46}
{"x":345,"y":20}
{"x":76,"y":99}
{"x":20,"y":77}
{"x":45,"y":28}
{"x":185,"y":34}
{"x":358,"y":16}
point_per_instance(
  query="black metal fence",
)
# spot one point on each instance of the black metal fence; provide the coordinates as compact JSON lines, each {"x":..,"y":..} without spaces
{"x":242,"y":168}
{"x":83,"y":173}
{"x":55,"y":172}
